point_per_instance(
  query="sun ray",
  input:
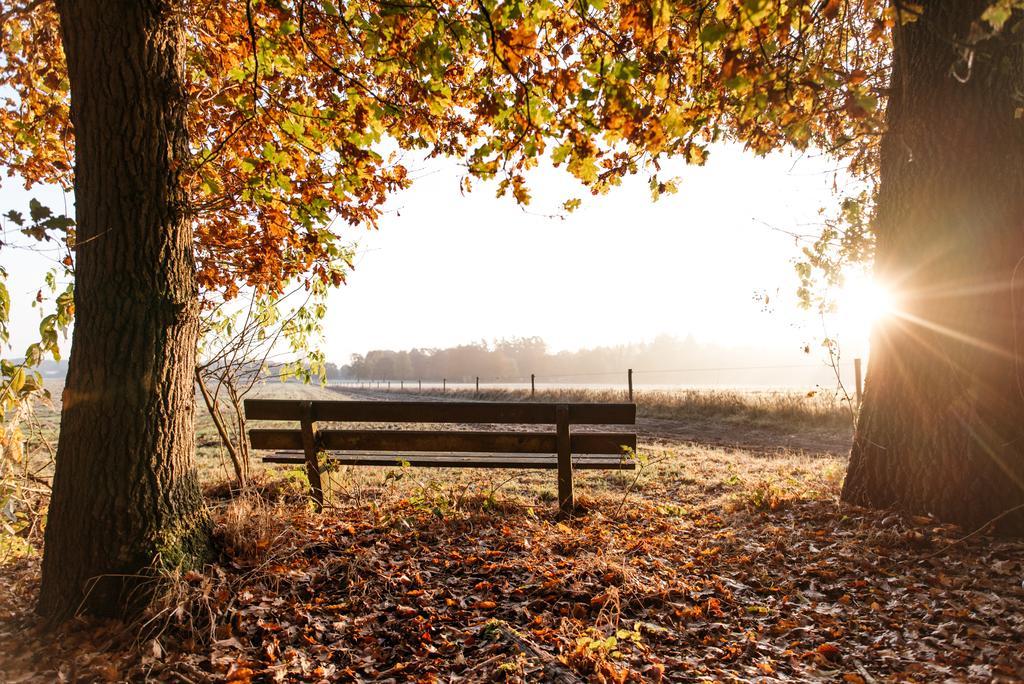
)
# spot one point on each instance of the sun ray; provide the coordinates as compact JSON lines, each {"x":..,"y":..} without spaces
{"x":956,"y":334}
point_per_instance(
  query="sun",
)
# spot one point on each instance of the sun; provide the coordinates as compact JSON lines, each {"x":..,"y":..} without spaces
{"x":862,"y":302}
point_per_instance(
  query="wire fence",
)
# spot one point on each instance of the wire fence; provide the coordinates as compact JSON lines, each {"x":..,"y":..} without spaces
{"x":533,"y":379}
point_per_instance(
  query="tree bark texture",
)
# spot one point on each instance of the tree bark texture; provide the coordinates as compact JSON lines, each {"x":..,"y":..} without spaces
{"x":942,"y":426}
{"x":125,"y":493}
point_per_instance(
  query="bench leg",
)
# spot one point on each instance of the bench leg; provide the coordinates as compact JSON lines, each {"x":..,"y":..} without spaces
{"x":566,"y":501}
{"x":309,"y":448}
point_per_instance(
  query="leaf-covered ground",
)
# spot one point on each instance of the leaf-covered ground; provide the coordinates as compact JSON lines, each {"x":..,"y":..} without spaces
{"x":712,"y":566}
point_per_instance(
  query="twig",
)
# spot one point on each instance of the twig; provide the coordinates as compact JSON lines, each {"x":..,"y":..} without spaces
{"x":481,"y":665}
{"x":863,"y":672}
{"x":974,"y":533}
{"x":554,"y":669}
{"x":255,"y":55}
{"x":643,"y":465}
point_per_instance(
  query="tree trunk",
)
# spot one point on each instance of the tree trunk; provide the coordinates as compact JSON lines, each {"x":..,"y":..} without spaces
{"x":125,"y":493}
{"x":942,"y":426}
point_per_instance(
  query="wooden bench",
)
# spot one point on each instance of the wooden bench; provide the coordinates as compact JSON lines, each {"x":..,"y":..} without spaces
{"x":561,"y":449}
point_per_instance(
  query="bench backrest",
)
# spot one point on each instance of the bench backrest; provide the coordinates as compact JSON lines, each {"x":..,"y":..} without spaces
{"x":440,"y":412}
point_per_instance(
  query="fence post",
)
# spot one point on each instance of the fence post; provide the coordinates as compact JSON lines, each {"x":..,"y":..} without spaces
{"x":419,"y":385}
{"x":533,"y":385}
{"x":478,"y":385}
{"x":389,"y":385}
{"x":630,"y":377}
{"x":444,"y":385}
{"x":857,"y":379}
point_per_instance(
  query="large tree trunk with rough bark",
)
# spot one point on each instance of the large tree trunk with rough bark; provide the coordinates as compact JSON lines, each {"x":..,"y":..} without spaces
{"x":942,"y":426}
{"x":125,"y":494}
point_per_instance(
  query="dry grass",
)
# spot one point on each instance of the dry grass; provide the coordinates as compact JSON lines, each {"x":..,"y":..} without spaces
{"x":778,"y":410}
{"x":668,"y":475}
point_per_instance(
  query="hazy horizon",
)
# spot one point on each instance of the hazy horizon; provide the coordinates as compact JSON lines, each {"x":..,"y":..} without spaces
{"x":664,"y":362}
{"x":447,"y":268}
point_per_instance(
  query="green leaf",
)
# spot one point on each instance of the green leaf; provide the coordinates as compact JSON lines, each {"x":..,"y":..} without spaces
{"x":59,"y":223}
{"x":713,"y":33}
{"x":17,"y":380}
{"x":37,"y":211}
{"x":997,"y":14}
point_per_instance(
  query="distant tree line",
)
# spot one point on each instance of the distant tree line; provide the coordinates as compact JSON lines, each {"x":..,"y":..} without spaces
{"x":665,"y":359}
{"x":509,"y":359}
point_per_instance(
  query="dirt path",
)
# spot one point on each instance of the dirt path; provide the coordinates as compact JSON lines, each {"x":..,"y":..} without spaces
{"x":658,"y":430}
{"x":748,"y":438}
{"x":274,"y":389}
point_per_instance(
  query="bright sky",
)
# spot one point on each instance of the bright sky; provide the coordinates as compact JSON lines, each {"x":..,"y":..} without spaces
{"x":447,"y":268}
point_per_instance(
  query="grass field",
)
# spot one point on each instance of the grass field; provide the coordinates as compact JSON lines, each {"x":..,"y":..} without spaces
{"x":758,"y":421}
{"x":782,"y":409}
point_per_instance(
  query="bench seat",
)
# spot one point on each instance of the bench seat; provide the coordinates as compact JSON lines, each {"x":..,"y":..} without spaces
{"x":460,"y":460}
